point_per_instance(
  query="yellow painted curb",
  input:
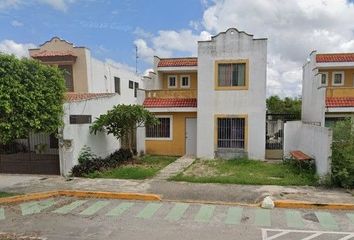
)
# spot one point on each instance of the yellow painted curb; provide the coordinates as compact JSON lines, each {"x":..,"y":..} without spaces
{"x":110,"y":195}
{"x":80,"y":194}
{"x":28,"y":197}
{"x":303,"y":204}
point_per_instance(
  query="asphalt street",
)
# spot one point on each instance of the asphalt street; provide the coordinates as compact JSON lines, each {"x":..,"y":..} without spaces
{"x":72,"y":218}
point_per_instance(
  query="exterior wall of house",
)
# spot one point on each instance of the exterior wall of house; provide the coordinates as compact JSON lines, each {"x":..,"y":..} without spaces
{"x":192,"y":75}
{"x":348,"y":78}
{"x":80,"y":66}
{"x":251,"y":102}
{"x":314,"y":141}
{"x":76,"y":136}
{"x":175,"y":146}
{"x":313,"y":95}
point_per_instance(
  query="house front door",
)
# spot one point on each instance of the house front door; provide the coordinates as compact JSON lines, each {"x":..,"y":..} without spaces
{"x":191,"y":136}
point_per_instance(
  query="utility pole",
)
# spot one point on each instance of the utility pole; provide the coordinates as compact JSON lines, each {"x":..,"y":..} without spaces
{"x":136,"y":59}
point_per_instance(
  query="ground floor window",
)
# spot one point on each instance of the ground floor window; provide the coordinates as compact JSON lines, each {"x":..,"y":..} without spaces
{"x":231,"y":132}
{"x":163,"y":130}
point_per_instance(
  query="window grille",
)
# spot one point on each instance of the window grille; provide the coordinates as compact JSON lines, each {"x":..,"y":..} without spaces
{"x":231,"y":133}
{"x":161,"y":130}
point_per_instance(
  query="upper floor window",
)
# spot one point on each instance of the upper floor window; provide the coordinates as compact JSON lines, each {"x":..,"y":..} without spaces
{"x":131,"y":84}
{"x":324,"y":79}
{"x":185,"y":81}
{"x":117,"y":85}
{"x":136,"y":87}
{"x":231,"y":75}
{"x":172,"y":81}
{"x":68,"y":76}
{"x":338,"y":78}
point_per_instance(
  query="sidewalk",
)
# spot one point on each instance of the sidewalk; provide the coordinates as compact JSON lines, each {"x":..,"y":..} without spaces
{"x":175,"y":190}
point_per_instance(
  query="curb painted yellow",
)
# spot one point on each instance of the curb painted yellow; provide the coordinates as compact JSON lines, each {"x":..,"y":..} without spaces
{"x":28,"y":197}
{"x":110,"y":195}
{"x":80,"y":194}
{"x":303,"y":204}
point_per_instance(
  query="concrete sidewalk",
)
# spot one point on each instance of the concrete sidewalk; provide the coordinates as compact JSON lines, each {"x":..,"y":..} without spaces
{"x":175,"y":190}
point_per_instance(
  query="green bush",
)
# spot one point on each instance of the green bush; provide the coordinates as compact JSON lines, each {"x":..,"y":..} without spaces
{"x":89,"y":162}
{"x":343,"y":153}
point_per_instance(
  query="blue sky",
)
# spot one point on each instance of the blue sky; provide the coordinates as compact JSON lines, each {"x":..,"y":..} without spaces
{"x":108,"y":28}
{"x":170,"y":28}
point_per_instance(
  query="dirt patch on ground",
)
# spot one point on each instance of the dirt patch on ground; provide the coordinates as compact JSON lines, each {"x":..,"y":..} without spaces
{"x":13,"y":236}
{"x":203,"y":169}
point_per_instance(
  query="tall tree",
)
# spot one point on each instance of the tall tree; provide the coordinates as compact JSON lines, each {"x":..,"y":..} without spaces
{"x":31,"y":98}
{"x":122,"y":121}
{"x":287,"y":105}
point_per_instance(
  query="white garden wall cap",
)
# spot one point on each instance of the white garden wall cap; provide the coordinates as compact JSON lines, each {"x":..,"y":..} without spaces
{"x":75,"y":97}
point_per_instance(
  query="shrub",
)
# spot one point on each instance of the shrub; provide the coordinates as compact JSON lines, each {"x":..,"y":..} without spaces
{"x":88,"y":162}
{"x":343,"y":153}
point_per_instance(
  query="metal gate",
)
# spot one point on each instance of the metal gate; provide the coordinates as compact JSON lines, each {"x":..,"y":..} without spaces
{"x":275,"y":134}
{"x":38,"y":154}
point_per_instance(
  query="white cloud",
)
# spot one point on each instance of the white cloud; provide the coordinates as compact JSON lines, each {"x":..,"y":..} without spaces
{"x":61,"y":5}
{"x":18,"y":49}
{"x":4,"y":4}
{"x":16,"y":23}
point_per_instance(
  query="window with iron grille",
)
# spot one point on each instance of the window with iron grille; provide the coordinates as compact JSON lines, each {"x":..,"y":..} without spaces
{"x":136,"y":87}
{"x":80,"y":119}
{"x":161,"y":130}
{"x":231,"y":133}
{"x":231,"y":74}
{"x":117,"y":85}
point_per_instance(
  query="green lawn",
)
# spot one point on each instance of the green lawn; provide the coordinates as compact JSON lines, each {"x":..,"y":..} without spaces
{"x":6,"y":194}
{"x":145,"y":167}
{"x":242,"y":171}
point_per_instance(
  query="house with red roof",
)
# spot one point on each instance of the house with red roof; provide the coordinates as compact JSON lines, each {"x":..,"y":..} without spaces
{"x":213,"y":104}
{"x":328,"y":88}
{"x":93,"y":88}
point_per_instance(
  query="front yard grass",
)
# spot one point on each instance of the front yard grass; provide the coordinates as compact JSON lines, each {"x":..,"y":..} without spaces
{"x":145,"y":167}
{"x":243,"y":171}
{"x":6,"y":194}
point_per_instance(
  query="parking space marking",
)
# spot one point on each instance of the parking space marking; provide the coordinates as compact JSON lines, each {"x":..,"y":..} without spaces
{"x":294,"y":219}
{"x":120,"y":209}
{"x":262,"y":217}
{"x":351,"y":217}
{"x":177,"y":211}
{"x":2,"y":214}
{"x":326,"y":220}
{"x":149,"y":210}
{"x":35,"y":207}
{"x":276,"y":233}
{"x":68,"y":208}
{"x":234,"y":215}
{"x":94,"y":208}
{"x":205,"y":213}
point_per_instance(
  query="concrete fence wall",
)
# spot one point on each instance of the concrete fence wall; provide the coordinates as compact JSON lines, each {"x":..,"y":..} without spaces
{"x":312,"y":140}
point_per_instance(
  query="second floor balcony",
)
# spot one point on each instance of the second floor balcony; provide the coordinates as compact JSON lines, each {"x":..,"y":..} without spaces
{"x":340,"y":92}
{"x":171,"y":93}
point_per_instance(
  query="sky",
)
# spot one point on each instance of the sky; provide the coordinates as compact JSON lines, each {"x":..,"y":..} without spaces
{"x":112,"y":28}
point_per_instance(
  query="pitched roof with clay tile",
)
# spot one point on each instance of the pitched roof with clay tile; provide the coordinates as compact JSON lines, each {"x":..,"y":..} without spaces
{"x":46,"y":53}
{"x":169,"y":102}
{"x":340,"y":102}
{"x":74,"y":97}
{"x":178,"y":62}
{"x":335,"y":57}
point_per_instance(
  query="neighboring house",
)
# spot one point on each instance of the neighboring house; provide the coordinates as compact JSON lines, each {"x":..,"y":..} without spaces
{"x":328,"y":88}
{"x":93,"y":88}
{"x":212,"y":105}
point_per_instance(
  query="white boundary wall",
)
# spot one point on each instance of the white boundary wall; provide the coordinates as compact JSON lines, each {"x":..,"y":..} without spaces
{"x":312,"y":140}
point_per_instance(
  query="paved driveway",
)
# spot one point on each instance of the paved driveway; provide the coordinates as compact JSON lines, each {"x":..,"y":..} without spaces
{"x":72,"y":218}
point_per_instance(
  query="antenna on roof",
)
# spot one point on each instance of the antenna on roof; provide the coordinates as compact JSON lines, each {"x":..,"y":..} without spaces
{"x":136,"y":59}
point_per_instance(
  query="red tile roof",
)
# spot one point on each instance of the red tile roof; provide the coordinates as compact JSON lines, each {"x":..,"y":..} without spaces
{"x":169,"y":102}
{"x":74,"y":97}
{"x":335,"y":57}
{"x":46,"y":53}
{"x":340,"y":102}
{"x":178,"y":62}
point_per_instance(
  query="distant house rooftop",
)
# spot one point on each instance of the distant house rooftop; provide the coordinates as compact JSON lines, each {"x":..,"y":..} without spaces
{"x":340,"y":102}
{"x":169,"y":102}
{"x":335,"y":57}
{"x":178,"y":62}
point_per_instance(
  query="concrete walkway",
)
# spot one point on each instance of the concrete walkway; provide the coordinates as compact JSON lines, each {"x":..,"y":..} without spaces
{"x":174,"y":168}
